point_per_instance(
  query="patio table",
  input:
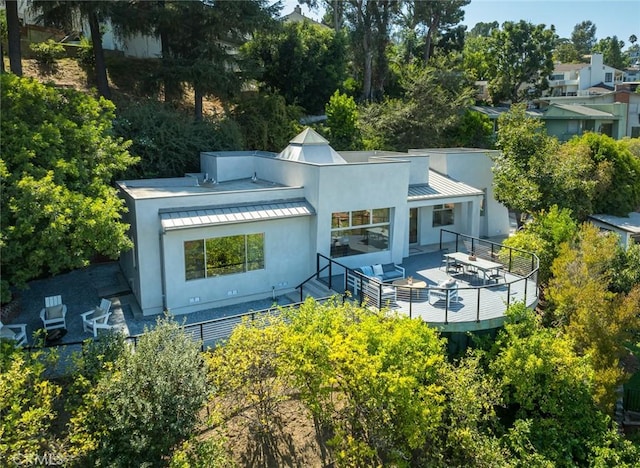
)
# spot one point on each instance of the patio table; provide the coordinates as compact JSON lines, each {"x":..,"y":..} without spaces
{"x":482,"y":265}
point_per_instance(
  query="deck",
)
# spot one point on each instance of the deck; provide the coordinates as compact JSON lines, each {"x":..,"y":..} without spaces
{"x":480,"y":306}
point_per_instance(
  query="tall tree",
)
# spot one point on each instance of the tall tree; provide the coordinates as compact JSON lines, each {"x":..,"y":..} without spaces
{"x":13,"y":35}
{"x":566,"y":52}
{"x":203,"y":39}
{"x":520,"y":58}
{"x":304,"y":62}
{"x":583,"y":38}
{"x":61,"y":13}
{"x":58,"y":161}
{"x":611,"y":50}
{"x":434,"y":18}
{"x":369,"y":23}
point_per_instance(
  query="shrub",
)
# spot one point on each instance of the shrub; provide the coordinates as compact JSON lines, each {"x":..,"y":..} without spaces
{"x":46,"y":53}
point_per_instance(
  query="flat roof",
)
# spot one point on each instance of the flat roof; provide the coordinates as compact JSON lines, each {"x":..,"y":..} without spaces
{"x":234,"y":214}
{"x":440,"y":186}
{"x":174,"y":187}
{"x":630,"y":224}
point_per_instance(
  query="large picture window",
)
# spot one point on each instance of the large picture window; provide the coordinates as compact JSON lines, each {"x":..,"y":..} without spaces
{"x":358,"y":232}
{"x":443,"y":215}
{"x":217,"y":256}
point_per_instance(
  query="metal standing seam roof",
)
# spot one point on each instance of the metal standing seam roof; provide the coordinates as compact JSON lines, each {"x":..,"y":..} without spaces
{"x":583,"y":110}
{"x":440,"y":186}
{"x":200,"y":217}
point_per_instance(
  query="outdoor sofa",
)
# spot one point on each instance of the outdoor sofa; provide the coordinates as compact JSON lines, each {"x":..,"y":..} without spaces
{"x":385,"y":273}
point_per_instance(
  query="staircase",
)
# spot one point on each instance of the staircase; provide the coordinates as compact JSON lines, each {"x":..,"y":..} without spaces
{"x":312,"y":288}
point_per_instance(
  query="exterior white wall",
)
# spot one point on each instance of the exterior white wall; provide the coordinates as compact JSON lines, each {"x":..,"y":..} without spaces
{"x":289,"y":258}
{"x":473,"y":167}
{"x":358,"y":187}
{"x":147,"y":276}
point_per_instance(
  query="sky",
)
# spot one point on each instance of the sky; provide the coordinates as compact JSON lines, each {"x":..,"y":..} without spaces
{"x":611,"y":17}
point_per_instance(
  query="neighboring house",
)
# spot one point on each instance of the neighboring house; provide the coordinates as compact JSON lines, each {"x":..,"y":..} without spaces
{"x":623,"y":105}
{"x":627,"y":228}
{"x":615,"y":113}
{"x":565,"y":120}
{"x":577,"y":79}
{"x":250,"y":224}
{"x":296,"y":16}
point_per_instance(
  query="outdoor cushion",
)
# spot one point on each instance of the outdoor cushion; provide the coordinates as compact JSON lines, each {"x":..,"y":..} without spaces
{"x":54,"y":312}
{"x":367,"y":270}
{"x":7,"y":333}
{"x":448,"y":284}
{"x":98,"y":313}
{"x":377,"y":270}
{"x":388,"y":267}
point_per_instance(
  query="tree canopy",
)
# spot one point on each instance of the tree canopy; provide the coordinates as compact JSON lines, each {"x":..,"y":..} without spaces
{"x":304,"y":62}
{"x":519,"y":57}
{"x":59,"y":158}
{"x":589,"y":174}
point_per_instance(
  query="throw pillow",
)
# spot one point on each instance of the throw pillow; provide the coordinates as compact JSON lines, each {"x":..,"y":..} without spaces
{"x":367,"y":270}
{"x":377,"y":270}
{"x":54,"y":312}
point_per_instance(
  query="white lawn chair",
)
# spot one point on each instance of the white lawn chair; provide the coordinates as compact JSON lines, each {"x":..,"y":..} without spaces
{"x":98,"y":318}
{"x":16,"y":332}
{"x":53,"y":314}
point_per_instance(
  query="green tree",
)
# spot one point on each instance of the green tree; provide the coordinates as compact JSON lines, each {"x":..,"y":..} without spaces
{"x":13,"y":37}
{"x":58,"y":161}
{"x":544,"y":236}
{"x":266,"y":121}
{"x":522,"y":141}
{"x":168,"y":143}
{"x":475,"y":59}
{"x":611,"y":50}
{"x":426,"y":115}
{"x":63,"y":13}
{"x":384,"y":371}
{"x":583,"y":38}
{"x":342,"y":122}
{"x":600,"y":322}
{"x":26,"y":407}
{"x":566,"y":52}
{"x":146,"y":404}
{"x":475,"y":130}
{"x":520,"y":79}
{"x":550,"y":416}
{"x":616,"y":172}
{"x":369,"y":24}
{"x":303,"y":62}
{"x":433,"y":20}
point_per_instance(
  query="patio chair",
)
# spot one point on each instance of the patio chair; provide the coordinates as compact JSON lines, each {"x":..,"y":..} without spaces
{"x":16,"y":332}
{"x":53,"y":314}
{"x":97,"y":318}
{"x":447,"y":290}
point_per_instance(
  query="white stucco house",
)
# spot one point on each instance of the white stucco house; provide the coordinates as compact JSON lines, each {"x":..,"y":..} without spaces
{"x":579,"y":79}
{"x":251,"y":223}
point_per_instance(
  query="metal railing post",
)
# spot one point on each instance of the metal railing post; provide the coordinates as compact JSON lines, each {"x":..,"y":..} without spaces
{"x":410,"y":302}
{"x":330,"y":273}
{"x":508,"y":295}
{"x":446,"y":307}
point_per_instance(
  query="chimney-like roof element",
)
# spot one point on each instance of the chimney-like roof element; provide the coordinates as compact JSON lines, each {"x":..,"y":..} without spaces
{"x":311,"y":147}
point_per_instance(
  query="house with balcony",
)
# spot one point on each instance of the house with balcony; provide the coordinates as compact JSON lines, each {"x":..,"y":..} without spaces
{"x":578,"y":79}
{"x":252,"y":224}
